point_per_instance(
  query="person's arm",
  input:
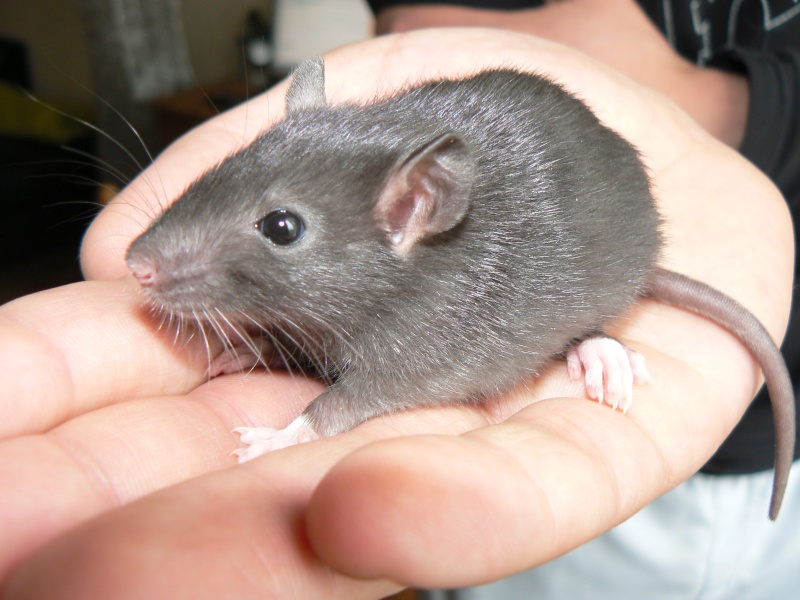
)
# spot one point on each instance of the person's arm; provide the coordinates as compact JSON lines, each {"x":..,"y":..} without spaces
{"x":123,"y":486}
{"x":616,"y":32}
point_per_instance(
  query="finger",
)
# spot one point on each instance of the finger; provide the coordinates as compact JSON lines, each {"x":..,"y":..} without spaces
{"x":69,"y":350}
{"x":232,"y":533}
{"x":109,"y":457}
{"x":236,"y":534}
{"x":427,"y":510}
{"x":562,"y":469}
{"x":446,"y":512}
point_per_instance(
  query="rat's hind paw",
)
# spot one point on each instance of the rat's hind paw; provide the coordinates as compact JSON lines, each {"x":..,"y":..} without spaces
{"x":609,"y":368}
{"x":229,"y":362}
{"x":261,"y":440}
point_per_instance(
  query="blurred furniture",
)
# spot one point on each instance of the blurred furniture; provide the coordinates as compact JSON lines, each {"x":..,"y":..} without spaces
{"x":177,"y":113}
{"x":47,"y":189}
{"x":138,"y":52}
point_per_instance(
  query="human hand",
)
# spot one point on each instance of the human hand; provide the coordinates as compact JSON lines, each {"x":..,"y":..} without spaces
{"x":127,"y":446}
{"x":616,"y":32}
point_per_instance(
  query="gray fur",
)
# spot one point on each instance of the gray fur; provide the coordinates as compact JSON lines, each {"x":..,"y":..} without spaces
{"x":537,"y":227}
{"x":307,"y":87}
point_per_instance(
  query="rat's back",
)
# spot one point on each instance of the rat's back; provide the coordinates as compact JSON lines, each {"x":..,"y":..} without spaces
{"x":560,"y":233}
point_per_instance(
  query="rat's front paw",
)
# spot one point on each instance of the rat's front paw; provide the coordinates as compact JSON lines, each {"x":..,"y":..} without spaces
{"x":261,"y":440}
{"x":230,"y":362}
{"x":242,"y":355}
{"x":609,"y":368}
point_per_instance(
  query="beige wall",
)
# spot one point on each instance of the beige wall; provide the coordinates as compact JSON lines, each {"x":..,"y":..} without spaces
{"x":56,"y":41}
{"x":57,"y":49}
{"x":213,"y":31}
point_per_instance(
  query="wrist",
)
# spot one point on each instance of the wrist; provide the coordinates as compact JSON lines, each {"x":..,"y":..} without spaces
{"x":717,"y":100}
{"x":400,"y":19}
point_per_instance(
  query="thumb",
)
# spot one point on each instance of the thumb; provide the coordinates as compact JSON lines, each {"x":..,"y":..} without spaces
{"x":237,"y":533}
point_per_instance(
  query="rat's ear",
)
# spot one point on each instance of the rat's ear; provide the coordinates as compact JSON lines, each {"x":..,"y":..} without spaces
{"x":427,"y":193}
{"x":307,"y":89}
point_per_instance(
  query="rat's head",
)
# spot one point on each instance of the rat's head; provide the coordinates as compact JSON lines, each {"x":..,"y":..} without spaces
{"x":300,"y":226}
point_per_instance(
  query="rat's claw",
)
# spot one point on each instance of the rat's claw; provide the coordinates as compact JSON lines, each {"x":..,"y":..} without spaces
{"x":248,"y":435}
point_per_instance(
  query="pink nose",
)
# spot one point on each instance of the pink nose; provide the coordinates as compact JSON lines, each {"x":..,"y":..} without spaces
{"x":145,"y":272}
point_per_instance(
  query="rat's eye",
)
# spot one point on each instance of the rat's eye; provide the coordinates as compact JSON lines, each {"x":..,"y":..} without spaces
{"x":281,"y":227}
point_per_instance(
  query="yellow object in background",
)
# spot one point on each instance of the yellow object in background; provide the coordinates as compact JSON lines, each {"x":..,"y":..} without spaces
{"x":23,"y":116}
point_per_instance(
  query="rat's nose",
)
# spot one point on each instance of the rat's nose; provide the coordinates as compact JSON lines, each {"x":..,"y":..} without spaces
{"x":145,"y":272}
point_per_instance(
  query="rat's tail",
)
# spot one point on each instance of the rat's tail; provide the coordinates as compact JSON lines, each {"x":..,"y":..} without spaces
{"x":687,"y":293}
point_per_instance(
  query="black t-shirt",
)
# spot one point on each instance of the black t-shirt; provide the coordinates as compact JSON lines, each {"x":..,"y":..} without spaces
{"x":760,"y":39}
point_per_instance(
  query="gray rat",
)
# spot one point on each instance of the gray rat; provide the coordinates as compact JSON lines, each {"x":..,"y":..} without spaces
{"x":436,"y":247}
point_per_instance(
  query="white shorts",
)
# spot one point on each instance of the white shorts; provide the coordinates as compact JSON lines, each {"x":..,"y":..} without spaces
{"x":709,"y":538}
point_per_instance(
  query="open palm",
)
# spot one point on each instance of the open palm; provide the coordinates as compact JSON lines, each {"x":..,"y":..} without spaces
{"x":115,"y":472}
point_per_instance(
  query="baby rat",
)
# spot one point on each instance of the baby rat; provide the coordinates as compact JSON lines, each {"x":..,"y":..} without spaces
{"x":440,"y":246}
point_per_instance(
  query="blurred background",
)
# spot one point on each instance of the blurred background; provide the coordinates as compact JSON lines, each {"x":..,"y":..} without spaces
{"x":78,"y":77}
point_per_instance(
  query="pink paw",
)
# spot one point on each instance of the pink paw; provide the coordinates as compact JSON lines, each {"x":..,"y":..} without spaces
{"x":234,"y":361}
{"x":261,"y":440}
{"x":609,"y":368}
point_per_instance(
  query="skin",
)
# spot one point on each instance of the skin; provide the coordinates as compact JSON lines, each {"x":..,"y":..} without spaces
{"x":607,"y":30}
{"x":115,"y":474}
